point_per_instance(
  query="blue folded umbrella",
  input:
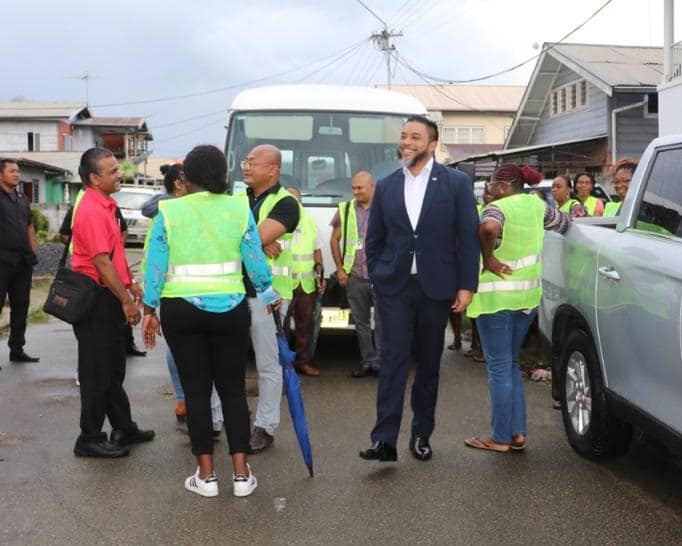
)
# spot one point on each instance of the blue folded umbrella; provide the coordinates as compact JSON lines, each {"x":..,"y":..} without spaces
{"x":292,"y":387}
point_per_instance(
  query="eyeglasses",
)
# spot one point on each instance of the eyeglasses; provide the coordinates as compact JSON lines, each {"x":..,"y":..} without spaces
{"x":491,"y":183}
{"x":250,"y":163}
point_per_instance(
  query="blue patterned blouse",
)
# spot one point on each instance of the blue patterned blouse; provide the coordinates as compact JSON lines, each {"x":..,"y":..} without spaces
{"x":252,"y":257}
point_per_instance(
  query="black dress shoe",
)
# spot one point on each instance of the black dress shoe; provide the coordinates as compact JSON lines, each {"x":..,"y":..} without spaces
{"x":380,"y":451}
{"x":133,"y":350}
{"x":362,"y":371}
{"x":122,"y":438}
{"x":99,"y":448}
{"x":21,"y":356}
{"x":420,"y":448}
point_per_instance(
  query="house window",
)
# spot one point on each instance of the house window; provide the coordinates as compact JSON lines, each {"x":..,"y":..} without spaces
{"x":33,"y":142}
{"x":651,"y":107}
{"x":463,"y":135}
{"x":568,"y":98}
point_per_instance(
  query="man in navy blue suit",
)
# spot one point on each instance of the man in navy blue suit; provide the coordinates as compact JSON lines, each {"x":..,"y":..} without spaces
{"x":423,"y":260}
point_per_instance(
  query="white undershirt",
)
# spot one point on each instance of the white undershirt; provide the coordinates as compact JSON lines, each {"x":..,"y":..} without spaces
{"x":415,"y":189}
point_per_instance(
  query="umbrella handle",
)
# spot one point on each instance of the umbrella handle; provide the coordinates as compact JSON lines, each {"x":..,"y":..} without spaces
{"x":278,"y":320}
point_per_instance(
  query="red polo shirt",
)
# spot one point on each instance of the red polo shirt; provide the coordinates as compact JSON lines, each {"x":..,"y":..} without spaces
{"x":96,"y":231}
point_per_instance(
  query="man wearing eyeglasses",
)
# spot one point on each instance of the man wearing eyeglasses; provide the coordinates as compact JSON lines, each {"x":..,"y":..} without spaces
{"x":277,"y":214}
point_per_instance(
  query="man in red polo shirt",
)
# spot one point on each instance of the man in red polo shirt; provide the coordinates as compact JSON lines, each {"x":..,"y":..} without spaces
{"x":98,"y":252}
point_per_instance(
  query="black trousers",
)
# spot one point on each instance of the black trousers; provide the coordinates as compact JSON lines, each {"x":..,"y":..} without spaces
{"x":210,"y":349}
{"x":15,"y":281}
{"x":407,"y":318}
{"x":102,"y":368}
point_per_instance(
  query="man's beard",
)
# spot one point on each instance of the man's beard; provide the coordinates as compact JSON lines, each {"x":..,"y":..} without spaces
{"x":417,"y":158}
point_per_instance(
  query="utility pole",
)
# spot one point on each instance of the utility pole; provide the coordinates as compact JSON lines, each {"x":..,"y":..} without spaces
{"x":383,"y":41}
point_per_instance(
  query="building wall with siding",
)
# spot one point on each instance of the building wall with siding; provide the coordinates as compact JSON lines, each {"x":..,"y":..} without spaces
{"x":634,"y":130}
{"x":14,"y":135}
{"x":592,"y":120}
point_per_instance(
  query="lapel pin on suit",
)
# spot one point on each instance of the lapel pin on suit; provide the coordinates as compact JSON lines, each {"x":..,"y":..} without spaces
{"x":434,"y":178}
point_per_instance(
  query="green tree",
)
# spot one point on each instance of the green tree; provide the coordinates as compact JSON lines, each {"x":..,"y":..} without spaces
{"x":128,"y":170}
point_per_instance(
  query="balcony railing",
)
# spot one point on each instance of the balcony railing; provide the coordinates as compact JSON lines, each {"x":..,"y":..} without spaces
{"x":677,"y":62}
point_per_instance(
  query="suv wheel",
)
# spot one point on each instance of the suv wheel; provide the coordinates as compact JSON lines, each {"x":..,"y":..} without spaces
{"x":592,"y":431}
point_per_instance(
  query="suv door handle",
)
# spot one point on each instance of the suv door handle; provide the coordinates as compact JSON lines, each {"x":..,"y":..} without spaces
{"x":608,"y":272}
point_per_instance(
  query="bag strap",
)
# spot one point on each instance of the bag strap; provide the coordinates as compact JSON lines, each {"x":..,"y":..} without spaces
{"x":345,"y":230}
{"x":62,"y":262}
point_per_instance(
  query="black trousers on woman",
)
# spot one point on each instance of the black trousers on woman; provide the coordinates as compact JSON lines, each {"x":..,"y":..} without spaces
{"x":210,"y":349}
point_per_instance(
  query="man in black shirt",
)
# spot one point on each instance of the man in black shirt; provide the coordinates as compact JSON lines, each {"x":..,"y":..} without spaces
{"x":18,"y":249}
{"x":277,"y":213}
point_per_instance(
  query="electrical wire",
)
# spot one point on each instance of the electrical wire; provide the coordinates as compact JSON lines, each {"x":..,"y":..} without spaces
{"x":333,"y":61}
{"x":516,"y":66}
{"x":233,"y":86}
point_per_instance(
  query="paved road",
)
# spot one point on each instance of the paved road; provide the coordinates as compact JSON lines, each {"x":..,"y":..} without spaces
{"x":548,"y":495}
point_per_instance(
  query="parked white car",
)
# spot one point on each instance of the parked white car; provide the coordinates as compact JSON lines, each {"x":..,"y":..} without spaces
{"x":130,"y":200}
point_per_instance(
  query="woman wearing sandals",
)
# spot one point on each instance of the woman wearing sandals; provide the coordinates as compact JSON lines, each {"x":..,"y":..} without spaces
{"x":509,"y":291}
{"x":194,"y":272}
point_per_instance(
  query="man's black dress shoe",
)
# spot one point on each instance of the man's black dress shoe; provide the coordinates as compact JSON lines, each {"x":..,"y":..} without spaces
{"x":99,"y":448}
{"x":380,"y":451}
{"x":137,"y":436}
{"x":362,"y":371}
{"x":133,"y":350}
{"x":420,"y":448}
{"x":21,"y":356}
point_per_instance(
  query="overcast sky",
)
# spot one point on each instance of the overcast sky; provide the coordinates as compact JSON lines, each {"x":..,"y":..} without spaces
{"x":145,"y":50}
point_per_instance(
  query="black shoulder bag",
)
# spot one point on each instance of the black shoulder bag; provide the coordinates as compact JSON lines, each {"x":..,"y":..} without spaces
{"x":71,"y":295}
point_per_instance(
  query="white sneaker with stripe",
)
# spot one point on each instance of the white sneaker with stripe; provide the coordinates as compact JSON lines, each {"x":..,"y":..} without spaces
{"x":205,"y":488}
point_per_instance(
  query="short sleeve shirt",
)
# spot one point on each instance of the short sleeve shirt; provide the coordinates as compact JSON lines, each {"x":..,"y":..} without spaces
{"x":96,"y":230}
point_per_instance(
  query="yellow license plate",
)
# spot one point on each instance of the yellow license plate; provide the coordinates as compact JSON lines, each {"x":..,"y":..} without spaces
{"x":333,"y":317}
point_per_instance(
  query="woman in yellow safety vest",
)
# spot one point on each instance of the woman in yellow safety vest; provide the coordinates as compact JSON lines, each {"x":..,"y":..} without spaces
{"x":622,"y":176}
{"x":194,"y":273}
{"x":584,"y":186}
{"x":561,"y":191}
{"x":509,"y":290}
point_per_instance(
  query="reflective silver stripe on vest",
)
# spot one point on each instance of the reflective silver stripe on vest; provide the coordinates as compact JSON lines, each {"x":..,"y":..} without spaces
{"x":303,"y":257}
{"x":303,"y":276}
{"x":199,"y":279}
{"x":508,"y":286}
{"x":523,"y":262}
{"x":279,"y":270}
{"x":284,"y":244}
{"x":204,"y":270}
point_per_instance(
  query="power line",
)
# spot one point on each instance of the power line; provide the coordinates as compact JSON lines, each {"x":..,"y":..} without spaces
{"x":372,"y":12}
{"x":229,"y":87}
{"x":336,"y":59}
{"x":191,"y":131}
{"x":516,"y":66}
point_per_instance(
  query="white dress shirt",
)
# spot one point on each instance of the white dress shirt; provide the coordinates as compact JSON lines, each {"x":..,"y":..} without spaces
{"x":415,"y":188}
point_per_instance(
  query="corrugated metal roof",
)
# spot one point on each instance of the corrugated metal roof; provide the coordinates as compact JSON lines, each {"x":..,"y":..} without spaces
{"x":616,"y":65}
{"x":60,"y":110}
{"x":67,"y":161}
{"x":465,"y":98}
{"x":99,"y":121}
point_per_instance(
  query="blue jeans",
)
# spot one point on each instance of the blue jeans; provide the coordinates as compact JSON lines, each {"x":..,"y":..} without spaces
{"x":502,"y":335}
{"x":175,"y":376}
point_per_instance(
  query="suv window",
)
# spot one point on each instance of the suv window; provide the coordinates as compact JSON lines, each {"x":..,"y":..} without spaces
{"x":661,"y":207}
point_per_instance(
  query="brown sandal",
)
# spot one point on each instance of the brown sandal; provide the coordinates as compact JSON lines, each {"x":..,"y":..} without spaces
{"x":486,"y":443}
{"x":518,"y":442}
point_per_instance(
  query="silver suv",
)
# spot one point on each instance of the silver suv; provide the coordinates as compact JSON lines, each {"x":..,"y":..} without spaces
{"x":130,"y":200}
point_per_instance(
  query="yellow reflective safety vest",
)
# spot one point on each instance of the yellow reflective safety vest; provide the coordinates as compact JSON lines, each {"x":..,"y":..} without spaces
{"x":352,"y":236}
{"x":612,"y":208}
{"x":568,"y":205}
{"x":280,"y":267}
{"x":76,"y":202}
{"x":590,"y":205}
{"x":521,"y":248}
{"x":303,"y":253}
{"x":204,"y":232}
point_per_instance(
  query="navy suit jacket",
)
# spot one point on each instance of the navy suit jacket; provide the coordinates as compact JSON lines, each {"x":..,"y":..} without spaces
{"x":445,"y":240}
